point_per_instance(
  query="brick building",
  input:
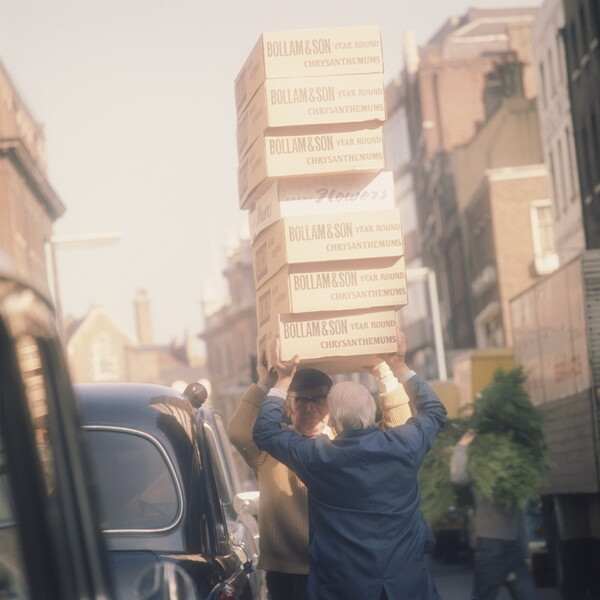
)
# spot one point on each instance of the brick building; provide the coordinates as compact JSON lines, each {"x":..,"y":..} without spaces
{"x":28,"y":204}
{"x":417,"y":317}
{"x":506,"y":215}
{"x":463,"y":73}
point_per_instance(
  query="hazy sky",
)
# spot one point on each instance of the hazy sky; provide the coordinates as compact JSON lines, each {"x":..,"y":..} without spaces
{"x":136,"y":99}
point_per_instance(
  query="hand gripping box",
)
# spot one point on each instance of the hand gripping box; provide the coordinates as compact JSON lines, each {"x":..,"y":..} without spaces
{"x":332,"y":287}
{"x":337,"y":342}
{"x":326,"y":194}
{"x":327,"y":238}
{"x":311,"y":101}
{"x":309,"y":53}
{"x":318,"y":150}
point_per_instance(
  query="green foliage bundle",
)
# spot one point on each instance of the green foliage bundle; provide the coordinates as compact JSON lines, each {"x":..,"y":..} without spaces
{"x":507,"y":459}
{"x":504,"y":408}
{"x":504,"y":471}
{"x":438,"y":493}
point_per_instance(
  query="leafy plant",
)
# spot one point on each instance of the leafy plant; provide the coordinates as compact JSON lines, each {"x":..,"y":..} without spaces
{"x":503,"y":470}
{"x":438,"y":494}
{"x":504,"y":407}
{"x":507,"y":459}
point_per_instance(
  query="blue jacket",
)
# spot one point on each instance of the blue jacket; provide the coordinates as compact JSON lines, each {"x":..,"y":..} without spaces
{"x":366,"y":528}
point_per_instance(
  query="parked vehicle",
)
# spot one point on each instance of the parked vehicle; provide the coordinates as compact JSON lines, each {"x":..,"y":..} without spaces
{"x":241,"y":519}
{"x":51,"y":546}
{"x":158,"y":489}
{"x":556,"y":328}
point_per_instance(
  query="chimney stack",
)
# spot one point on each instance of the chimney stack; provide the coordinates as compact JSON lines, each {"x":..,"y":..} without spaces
{"x":143,"y":318}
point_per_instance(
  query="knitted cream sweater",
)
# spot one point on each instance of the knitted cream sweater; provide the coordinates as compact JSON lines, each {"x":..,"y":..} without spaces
{"x":283,"y":518}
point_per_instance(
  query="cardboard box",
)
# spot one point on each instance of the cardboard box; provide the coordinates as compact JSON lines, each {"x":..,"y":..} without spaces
{"x":309,"y":53}
{"x":334,"y":286}
{"x":342,"y":342}
{"x":311,"y":101}
{"x":333,"y":194}
{"x":317,"y":151}
{"x":325,"y":194}
{"x":327,"y":238}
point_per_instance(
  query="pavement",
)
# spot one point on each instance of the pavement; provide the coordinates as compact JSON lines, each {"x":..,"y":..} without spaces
{"x":453,"y":581}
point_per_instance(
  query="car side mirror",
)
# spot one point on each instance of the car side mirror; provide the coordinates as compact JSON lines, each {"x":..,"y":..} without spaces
{"x":246,"y":503}
{"x":196,"y":393}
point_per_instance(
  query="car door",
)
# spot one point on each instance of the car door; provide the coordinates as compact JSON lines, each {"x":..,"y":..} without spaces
{"x":50,"y":544}
{"x":243,"y":529}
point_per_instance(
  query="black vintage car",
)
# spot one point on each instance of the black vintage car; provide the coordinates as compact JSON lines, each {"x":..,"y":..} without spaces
{"x":158,"y":493}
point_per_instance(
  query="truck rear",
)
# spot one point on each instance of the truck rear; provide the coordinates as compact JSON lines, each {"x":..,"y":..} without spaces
{"x":556,"y":333}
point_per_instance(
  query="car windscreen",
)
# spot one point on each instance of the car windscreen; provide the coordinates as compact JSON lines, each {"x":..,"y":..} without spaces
{"x":136,"y":484}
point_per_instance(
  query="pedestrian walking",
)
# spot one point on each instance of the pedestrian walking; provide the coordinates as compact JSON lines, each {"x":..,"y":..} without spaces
{"x":502,"y":554}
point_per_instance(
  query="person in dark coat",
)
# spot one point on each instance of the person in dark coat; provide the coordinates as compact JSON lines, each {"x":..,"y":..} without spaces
{"x":367,"y":537}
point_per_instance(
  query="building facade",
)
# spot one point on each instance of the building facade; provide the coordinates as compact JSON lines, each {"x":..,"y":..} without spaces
{"x":230,"y":332}
{"x":581,"y":35}
{"x":100,"y":350}
{"x":554,"y":109}
{"x":463,"y":73}
{"x":28,"y":204}
{"x":506,"y":213}
{"x":416,"y":318}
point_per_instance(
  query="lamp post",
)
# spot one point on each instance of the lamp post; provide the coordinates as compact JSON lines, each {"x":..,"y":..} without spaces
{"x":70,"y":241}
{"x":428,"y":275}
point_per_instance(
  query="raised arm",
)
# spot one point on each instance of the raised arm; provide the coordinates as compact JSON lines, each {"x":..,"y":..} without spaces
{"x":268,"y":434}
{"x":243,"y":419}
{"x":430,"y":414}
{"x":393,"y":399}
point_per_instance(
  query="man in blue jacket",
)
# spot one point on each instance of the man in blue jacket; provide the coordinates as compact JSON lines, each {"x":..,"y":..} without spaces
{"x":367,"y":540}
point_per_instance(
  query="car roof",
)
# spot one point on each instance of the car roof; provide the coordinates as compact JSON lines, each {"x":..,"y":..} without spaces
{"x":132,"y":405}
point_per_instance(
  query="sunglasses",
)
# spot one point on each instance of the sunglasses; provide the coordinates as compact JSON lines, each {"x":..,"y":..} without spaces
{"x":319,"y":399}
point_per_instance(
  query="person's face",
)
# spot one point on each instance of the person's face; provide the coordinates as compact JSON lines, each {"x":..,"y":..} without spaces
{"x":308,"y":410}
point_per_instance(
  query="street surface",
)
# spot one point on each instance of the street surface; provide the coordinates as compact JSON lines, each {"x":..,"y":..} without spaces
{"x":454,"y":580}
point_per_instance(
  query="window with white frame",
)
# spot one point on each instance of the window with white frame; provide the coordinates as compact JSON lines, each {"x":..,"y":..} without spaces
{"x":105,"y":362}
{"x":542,"y":229}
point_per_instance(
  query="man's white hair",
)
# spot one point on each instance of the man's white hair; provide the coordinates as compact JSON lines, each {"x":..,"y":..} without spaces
{"x":351,"y":405}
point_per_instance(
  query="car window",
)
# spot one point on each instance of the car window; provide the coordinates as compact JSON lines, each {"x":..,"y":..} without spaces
{"x":136,"y":484}
{"x":228,"y":451}
{"x":220,"y":468}
{"x":217,"y":483}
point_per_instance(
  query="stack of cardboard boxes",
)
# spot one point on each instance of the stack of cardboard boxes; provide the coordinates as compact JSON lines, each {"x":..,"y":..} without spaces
{"x":326,"y":237}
